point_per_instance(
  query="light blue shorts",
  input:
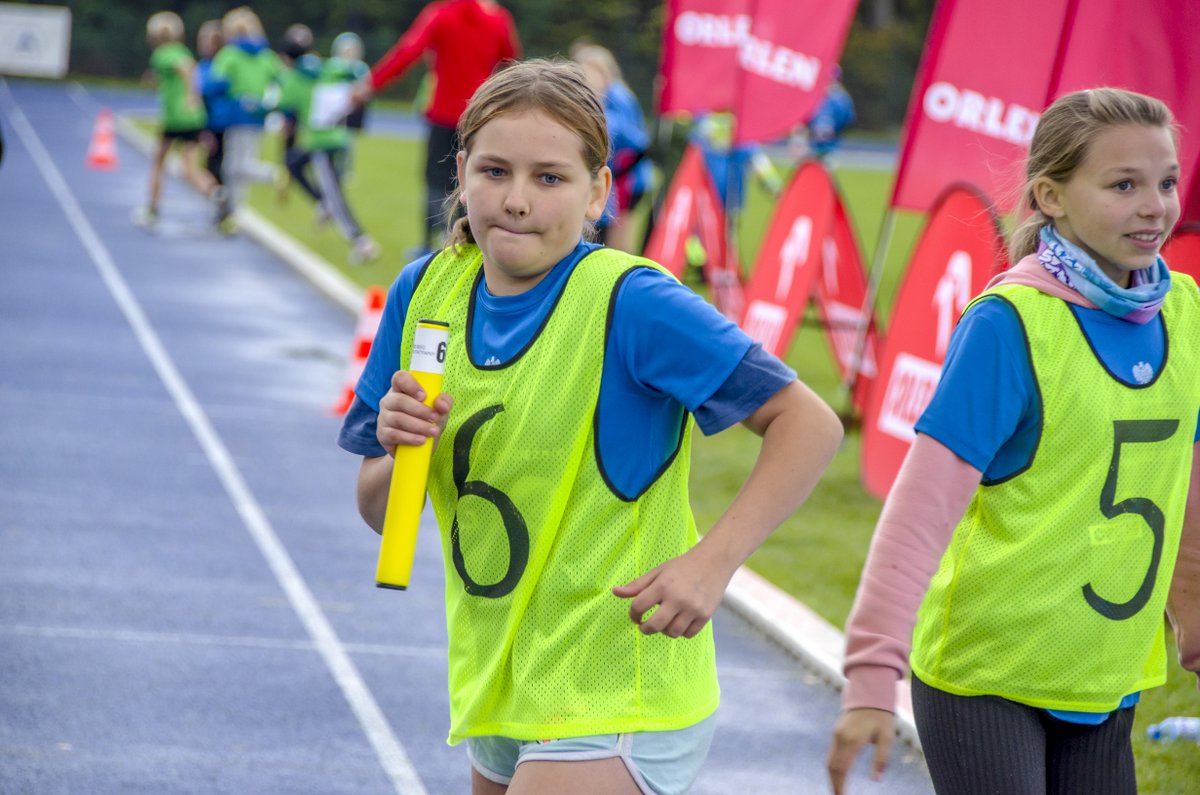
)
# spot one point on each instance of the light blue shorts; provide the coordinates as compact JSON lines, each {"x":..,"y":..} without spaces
{"x":661,"y":763}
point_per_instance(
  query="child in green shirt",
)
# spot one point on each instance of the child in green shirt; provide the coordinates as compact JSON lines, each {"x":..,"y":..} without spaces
{"x":181,"y":110}
{"x":318,"y":96}
{"x":247,"y":67}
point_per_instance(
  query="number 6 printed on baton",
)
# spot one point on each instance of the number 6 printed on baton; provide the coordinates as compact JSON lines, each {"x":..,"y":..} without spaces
{"x":410,"y":471}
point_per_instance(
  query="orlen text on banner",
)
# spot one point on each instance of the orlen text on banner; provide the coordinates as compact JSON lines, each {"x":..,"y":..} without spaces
{"x":979,"y":93}
{"x":701,"y":39}
{"x":786,"y":62}
{"x":990,"y":68}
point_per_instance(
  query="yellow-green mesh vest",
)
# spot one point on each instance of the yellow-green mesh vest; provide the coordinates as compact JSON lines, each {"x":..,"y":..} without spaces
{"x":533,"y":538}
{"x":1053,"y":588}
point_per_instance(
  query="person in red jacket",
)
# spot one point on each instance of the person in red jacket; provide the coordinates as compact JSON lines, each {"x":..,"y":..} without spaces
{"x":465,"y":41}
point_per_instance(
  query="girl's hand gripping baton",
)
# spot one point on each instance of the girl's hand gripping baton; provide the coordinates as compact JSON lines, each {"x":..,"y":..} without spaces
{"x":410,"y":470}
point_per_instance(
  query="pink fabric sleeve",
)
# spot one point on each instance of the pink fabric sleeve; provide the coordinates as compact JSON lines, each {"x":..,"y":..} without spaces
{"x":1183,"y":604}
{"x":931,"y":493}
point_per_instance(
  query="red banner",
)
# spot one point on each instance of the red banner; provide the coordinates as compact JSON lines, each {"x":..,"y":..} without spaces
{"x":724,"y":278}
{"x":983,"y":81}
{"x":1191,"y":207}
{"x":700,"y":53}
{"x":786,"y":62}
{"x":768,"y":61}
{"x":810,"y":249}
{"x":841,"y":292}
{"x":989,"y":69}
{"x":691,"y":223}
{"x":691,"y":207}
{"x":959,"y":251}
{"x":1156,"y":55}
{"x":1182,"y":251}
{"x":789,"y":259}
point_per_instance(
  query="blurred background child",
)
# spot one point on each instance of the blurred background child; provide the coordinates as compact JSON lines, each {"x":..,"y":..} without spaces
{"x":247,"y":67}
{"x":181,"y":112}
{"x":463,"y":41}
{"x":831,"y":118}
{"x":349,"y":47}
{"x":632,"y":171}
{"x":318,"y":97}
{"x":297,"y":42}
{"x":217,"y":106}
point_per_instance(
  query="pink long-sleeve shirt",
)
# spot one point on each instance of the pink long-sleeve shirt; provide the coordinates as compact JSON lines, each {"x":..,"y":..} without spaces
{"x":930,"y":495}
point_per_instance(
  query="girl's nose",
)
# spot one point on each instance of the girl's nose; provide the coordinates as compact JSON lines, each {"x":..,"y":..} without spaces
{"x":1154,"y":205}
{"x":515,"y":202}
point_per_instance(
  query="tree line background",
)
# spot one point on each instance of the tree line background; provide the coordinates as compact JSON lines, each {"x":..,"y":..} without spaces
{"x":879,"y":62}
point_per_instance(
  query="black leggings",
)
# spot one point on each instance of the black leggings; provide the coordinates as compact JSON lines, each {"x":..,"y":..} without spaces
{"x":440,"y":177}
{"x":986,"y":745}
{"x":215,"y":158}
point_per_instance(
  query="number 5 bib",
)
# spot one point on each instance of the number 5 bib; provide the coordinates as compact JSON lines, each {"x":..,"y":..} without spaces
{"x":1053,"y":589}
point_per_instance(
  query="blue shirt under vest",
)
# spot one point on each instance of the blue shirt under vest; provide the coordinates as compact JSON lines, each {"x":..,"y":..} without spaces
{"x":668,"y":351}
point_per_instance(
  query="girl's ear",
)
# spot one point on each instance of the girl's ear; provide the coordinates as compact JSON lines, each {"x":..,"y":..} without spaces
{"x":598,"y":197}
{"x":1048,"y":195}
{"x":460,"y":161}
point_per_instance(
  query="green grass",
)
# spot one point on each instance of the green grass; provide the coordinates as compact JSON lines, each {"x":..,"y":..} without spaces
{"x":817,"y":554}
{"x":1167,"y":768}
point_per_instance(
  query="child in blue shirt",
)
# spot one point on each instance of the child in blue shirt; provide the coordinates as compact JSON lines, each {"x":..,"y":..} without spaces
{"x":1046,"y":514}
{"x":563,"y":433}
{"x":632,"y":170}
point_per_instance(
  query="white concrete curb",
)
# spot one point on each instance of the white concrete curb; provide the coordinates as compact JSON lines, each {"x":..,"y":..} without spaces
{"x":808,"y":637}
{"x":311,"y":266}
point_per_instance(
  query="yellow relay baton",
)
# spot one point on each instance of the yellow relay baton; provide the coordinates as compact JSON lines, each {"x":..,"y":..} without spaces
{"x":410,"y":470}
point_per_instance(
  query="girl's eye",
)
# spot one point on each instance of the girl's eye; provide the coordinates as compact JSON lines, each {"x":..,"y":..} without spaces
{"x":1169,"y":183}
{"x":551,"y":179}
{"x":494,"y":171}
{"x":1124,"y":184}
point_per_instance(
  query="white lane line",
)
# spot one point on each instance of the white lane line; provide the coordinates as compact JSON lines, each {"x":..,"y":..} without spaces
{"x":196,"y":639}
{"x":389,"y":750}
{"x":82,"y":98}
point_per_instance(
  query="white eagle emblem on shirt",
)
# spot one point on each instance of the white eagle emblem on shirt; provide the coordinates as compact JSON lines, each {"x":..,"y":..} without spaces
{"x":1143,"y":372}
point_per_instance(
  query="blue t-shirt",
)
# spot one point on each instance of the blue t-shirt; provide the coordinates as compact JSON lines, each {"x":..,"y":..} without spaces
{"x":627,"y":128}
{"x":220,"y":107}
{"x":830,"y":120}
{"x":728,"y":168}
{"x":668,"y":352}
{"x":986,"y":408}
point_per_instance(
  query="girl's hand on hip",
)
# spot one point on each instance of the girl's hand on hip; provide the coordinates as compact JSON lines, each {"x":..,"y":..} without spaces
{"x":684,"y":593}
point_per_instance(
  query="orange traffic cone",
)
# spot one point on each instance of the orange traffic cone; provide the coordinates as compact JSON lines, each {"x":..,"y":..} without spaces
{"x":364,"y":335}
{"x":102,"y":153}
